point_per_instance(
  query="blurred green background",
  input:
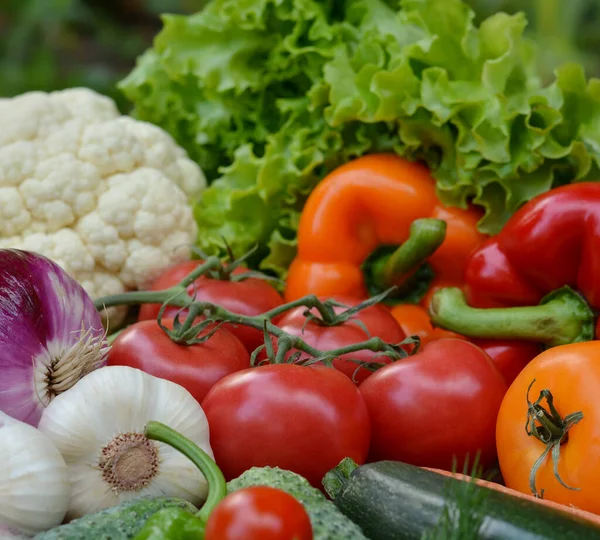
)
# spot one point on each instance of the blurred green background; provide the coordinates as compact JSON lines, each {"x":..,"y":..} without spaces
{"x":54,"y":44}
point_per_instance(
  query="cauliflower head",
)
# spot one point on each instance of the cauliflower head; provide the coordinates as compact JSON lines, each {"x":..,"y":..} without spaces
{"x":103,"y":195}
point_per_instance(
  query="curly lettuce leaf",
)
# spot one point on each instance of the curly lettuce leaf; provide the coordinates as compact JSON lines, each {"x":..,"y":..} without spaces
{"x":270,"y":95}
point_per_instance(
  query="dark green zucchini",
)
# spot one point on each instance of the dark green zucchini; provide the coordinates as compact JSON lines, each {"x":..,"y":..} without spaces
{"x":390,"y":500}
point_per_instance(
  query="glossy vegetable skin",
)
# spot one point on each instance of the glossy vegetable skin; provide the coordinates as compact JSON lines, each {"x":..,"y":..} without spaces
{"x":373,"y":321}
{"x":509,"y":357}
{"x":259,"y":513}
{"x":303,"y":419}
{"x":197,"y":367}
{"x":546,"y":254}
{"x":366,"y":203}
{"x":550,"y":242}
{"x":436,"y":406}
{"x":251,"y":296}
{"x":572,"y":374}
{"x":391,"y":500}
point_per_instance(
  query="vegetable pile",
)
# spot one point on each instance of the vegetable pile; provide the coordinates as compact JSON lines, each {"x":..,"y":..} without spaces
{"x":268,"y":96}
{"x":412,"y":377}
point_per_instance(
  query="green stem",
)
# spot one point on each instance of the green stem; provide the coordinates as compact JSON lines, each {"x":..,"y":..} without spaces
{"x":217,"y":486}
{"x":258,"y":322}
{"x":426,"y":236}
{"x":175,"y":296}
{"x":563,"y":317}
{"x":551,"y":429}
{"x":337,"y":479}
{"x":211,"y":263}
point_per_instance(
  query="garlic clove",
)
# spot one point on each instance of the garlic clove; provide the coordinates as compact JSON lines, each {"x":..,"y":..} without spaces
{"x":34,"y":482}
{"x":98,"y":427}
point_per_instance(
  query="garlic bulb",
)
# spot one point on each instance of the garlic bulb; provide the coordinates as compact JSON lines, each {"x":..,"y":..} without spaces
{"x":34,"y":481}
{"x":98,"y":426}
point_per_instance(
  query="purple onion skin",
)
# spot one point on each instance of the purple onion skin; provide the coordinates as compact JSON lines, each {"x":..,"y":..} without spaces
{"x":42,"y":313}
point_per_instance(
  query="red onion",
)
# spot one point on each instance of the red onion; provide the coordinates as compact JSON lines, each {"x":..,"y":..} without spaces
{"x":50,"y":334}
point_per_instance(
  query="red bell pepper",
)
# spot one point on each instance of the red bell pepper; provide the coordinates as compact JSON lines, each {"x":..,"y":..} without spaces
{"x":548,"y":254}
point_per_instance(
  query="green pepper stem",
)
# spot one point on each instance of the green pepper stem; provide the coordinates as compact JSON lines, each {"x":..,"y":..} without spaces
{"x":426,"y":236}
{"x":217,"y":486}
{"x":563,"y":317}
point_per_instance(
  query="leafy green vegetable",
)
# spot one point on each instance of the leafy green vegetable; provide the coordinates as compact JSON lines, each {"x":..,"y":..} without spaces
{"x":270,"y":95}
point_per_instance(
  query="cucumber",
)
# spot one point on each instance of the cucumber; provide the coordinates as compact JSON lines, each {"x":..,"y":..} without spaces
{"x":327,"y":521}
{"x":395,"y":501}
{"x":121,"y":522}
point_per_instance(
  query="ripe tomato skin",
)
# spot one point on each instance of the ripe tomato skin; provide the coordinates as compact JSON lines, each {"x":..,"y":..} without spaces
{"x":572,"y":374}
{"x":440,"y":403}
{"x":144,"y":345}
{"x":303,"y":419}
{"x":377,"y":319}
{"x":509,"y":357}
{"x":250,"y":296}
{"x":259,"y":513}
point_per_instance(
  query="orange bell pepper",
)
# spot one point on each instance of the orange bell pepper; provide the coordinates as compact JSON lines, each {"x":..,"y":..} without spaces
{"x":415,"y":321}
{"x":373,"y":201}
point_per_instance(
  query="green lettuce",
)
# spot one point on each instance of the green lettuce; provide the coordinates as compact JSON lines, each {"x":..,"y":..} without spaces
{"x":268,"y":96}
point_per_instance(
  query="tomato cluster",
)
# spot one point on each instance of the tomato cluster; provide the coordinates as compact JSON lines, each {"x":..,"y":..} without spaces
{"x":435,"y":408}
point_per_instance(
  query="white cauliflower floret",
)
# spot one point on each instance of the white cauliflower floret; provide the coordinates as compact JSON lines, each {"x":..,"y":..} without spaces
{"x":103,"y":195}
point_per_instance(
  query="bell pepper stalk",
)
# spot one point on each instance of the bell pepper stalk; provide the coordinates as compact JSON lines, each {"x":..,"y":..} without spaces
{"x":550,"y":243}
{"x":203,"y":318}
{"x":405,"y":266}
{"x":563,"y":317}
{"x":177,"y":523}
{"x":376,"y":222}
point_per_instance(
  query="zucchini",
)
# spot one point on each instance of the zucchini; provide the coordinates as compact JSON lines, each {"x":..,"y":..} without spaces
{"x":327,"y":521}
{"x":394,"y":501}
{"x":121,"y":522}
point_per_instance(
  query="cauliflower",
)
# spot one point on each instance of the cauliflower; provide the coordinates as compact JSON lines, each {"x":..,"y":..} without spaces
{"x":103,"y":195}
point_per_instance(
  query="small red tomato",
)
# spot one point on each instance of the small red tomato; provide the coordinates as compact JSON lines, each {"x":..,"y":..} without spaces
{"x":251,"y":296}
{"x":377,"y":320}
{"x":435,"y":406}
{"x":302,"y":419}
{"x":509,"y":357}
{"x":144,"y":345}
{"x":259,"y":513}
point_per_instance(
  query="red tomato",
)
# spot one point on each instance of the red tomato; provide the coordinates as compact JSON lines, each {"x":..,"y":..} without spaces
{"x":438,"y":404}
{"x":259,"y":513}
{"x":144,"y":345}
{"x":377,"y":319}
{"x":250,"y":296}
{"x":303,"y":419}
{"x":509,"y":357}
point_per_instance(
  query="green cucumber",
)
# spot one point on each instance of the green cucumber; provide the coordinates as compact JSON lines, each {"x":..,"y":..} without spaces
{"x":327,"y":521}
{"x":121,"y":522}
{"x":394,"y":501}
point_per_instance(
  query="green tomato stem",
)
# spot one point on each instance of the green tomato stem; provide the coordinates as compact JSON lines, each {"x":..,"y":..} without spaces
{"x":177,"y":296}
{"x":551,"y":429}
{"x":217,"y":486}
